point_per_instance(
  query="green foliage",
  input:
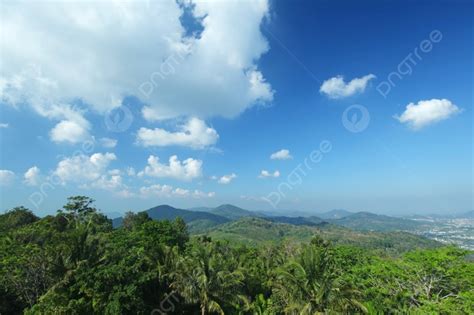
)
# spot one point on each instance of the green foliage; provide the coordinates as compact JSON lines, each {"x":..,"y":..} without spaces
{"x":76,"y":263}
{"x":312,"y":283}
{"x":16,"y":218}
{"x":132,"y":220}
{"x":256,"y":231}
{"x":367,"y":221}
{"x":208,"y":275}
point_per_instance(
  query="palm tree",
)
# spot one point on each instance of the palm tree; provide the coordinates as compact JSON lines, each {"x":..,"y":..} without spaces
{"x":206,"y":277}
{"x":309,"y":284}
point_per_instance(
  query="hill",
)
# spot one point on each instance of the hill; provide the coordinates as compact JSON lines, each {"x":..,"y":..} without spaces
{"x":196,"y":220}
{"x":232,"y":212}
{"x":375,"y":222}
{"x":310,"y":221}
{"x":254,"y":231}
{"x":204,"y":209}
{"x":335,"y":214}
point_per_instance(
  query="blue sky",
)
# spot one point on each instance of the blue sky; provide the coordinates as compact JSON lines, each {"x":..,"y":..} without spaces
{"x":136,"y":104}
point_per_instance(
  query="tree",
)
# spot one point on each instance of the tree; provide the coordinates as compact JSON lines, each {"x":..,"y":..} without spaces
{"x":79,"y":206}
{"x":206,"y":277}
{"x":132,"y":220}
{"x":310,"y":283}
{"x":15,"y":218}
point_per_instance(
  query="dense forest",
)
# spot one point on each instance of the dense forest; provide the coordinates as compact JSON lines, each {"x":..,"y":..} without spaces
{"x":75,"y":262}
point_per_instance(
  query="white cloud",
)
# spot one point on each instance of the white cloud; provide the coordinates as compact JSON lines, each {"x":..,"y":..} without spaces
{"x":90,"y":172}
{"x":427,"y":112}
{"x":70,"y":131}
{"x":131,"y":171}
{"x":265,"y":174}
{"x":125,"y":193}
{"x":202,"y":194}
{"x":6,"y":177}
{"x":283,"y":154}
{"x":194,"y":133}
{"x":182,"y":170}
{"x":108,"y":142}
{"x":114,"y":172}
{"x":168,"y":191}
{"x":84,"y":169}
{"x":176,"y":75}
{"x":226,"y":179}
{"x":30,"y":86}
{"x":109,"y":182}
{"x":32,"y":176}
{"x":336,"y":87}
{"x":3,"y":125}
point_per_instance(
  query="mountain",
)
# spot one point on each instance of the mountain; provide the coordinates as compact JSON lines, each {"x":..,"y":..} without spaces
{"x":376,"y":222}
{"x":310,"y":221}
{"x":232,"y":212}
{"x":202,"y":209}
{"x":254,"y":231}
{"x":196,"y":220}
{"x":335,"y":214}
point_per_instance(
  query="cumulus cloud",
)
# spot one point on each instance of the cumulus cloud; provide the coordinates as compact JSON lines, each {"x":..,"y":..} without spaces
{"x":32,"y":176}
{"x":283,"y":154}
{"x":70,"y":131}
{"x":427,"y":112}
{"x":30,"y":86}
{"x":194,"y":134}
{"x":168,"y":191}
{"x":265,"y":174}
{"x":176,"y":74}
{"x":131,"y":171}
{"x":182,"y":170}
{"x":6,"y":177}
{"x":3,"y":125}
{"x":336,"y":87}
{"x":109,"y":182}
{"x":226,"y":179}
{"x":108,"y":142}
{"x":84,"y":169}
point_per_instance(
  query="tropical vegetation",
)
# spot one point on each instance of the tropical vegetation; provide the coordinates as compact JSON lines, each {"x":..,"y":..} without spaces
{"x":76,"y":262}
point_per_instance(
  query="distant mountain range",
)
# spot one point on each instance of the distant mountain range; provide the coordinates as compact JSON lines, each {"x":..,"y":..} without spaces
{"x":205,"y":218}
{"x":335,"y":214}
{"x":375,"y":222}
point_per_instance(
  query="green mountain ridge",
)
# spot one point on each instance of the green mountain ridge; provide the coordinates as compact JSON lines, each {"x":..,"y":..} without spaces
{"x":368,"y":221}
{"x":255,"y":231}
{"x":232,"y":212}
{"x":204,"y":218}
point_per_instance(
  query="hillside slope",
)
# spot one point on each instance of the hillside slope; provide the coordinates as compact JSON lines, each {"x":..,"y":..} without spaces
{"x":254,"y":231}
{"x":367,"y":221}
{"x":232,"y":212}
{"x":196,"y":220}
